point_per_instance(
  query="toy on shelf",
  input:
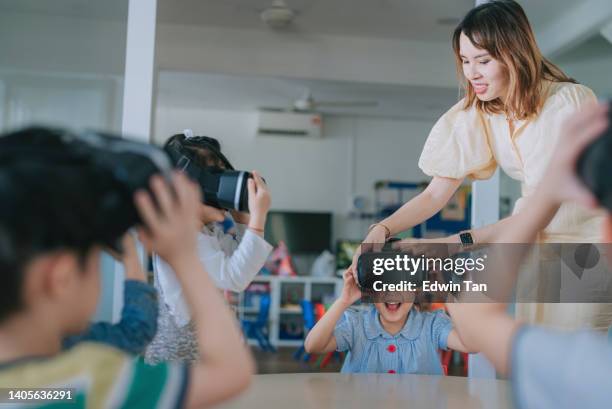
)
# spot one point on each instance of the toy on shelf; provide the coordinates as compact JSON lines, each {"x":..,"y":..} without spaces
{"x":279,"y":262}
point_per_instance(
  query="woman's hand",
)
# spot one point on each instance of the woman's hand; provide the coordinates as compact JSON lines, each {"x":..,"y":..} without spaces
{"x":350,"y":290}
{"x":439,"y":247}
{"x":374,"y":241}
{"x":259,"y":202}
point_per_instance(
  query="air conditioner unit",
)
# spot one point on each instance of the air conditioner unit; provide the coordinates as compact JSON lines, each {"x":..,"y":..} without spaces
{"x":283,"y":123}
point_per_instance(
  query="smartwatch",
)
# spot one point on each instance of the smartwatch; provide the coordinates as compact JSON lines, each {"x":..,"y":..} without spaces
{"x":466,"y":238}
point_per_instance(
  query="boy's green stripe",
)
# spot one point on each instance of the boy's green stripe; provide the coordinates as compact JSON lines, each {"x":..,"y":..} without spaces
{"x":148,"y":382}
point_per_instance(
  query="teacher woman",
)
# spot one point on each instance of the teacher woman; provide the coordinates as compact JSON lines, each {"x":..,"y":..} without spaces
{"x":515,"y":103}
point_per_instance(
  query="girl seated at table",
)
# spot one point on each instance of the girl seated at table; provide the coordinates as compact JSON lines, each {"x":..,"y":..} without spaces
{"x":389,"y":337}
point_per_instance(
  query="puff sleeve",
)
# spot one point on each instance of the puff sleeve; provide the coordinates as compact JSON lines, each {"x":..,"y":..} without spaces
{"x":458,"y":146}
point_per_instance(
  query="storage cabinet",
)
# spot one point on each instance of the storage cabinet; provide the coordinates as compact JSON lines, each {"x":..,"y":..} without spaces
{"x":285,"y":323}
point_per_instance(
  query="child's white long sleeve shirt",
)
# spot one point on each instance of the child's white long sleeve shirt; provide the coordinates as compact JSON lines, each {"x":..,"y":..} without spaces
{"x":231,"y":262}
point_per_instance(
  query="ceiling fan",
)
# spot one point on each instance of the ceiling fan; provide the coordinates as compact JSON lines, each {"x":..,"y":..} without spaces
{"x":278,"y":15}
{"x":307,"y":103}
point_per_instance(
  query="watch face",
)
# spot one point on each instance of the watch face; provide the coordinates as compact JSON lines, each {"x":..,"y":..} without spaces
{"x":466,"y":238}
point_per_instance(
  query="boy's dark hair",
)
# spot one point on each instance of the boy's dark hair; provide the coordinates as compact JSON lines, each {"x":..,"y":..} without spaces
{"x":206,"y":151}
{"x":49,"y":203}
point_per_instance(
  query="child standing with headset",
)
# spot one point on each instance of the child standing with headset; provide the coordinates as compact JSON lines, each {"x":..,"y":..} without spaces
{"x":231,"y":261}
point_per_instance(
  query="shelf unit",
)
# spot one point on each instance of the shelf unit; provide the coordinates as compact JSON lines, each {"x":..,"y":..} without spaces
{"x":454,"y":217}
{"x":285,"y":296}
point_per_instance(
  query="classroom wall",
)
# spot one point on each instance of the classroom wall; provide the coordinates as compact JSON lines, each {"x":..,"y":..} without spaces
{"x":61,"y":70}
{"x":42,"y":42}
{"x":312,"y":174}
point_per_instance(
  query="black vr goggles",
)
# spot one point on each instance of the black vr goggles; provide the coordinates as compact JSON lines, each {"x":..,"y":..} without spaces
{"x":107,"y":170}
{"x":222,"y":188}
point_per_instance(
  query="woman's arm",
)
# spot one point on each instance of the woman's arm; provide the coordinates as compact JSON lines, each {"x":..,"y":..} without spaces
{"x":413,"y":212}
{"x":504,"y":229}
{"x":423,"y":206}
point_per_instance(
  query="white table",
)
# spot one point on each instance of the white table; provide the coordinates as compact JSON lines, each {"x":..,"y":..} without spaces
{"x":372,"y":391}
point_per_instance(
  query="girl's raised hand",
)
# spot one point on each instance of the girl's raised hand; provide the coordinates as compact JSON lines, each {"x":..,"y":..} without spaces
{"x":259,"y":201}
{"x":350,"y":290}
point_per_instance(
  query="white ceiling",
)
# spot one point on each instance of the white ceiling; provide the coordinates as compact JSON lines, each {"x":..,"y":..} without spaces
{"x":403,"y":19}
{"x":225,"y":92}
{"x":406,"y":19}
{"x":105,"y":9}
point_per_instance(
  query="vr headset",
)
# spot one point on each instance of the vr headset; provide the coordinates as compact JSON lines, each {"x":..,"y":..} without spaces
{"x":222,"y":188}
{"x":594,"y":166}
{"x":112,"y":170}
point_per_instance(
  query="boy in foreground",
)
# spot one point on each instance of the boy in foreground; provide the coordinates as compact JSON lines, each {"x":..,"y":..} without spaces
{"x":49,"y":263}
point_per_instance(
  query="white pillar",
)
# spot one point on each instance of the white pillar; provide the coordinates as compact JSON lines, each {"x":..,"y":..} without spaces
{"x":139,"y":70}
{"x":485,"y":210}
{"x":485,"y":201}
{"x":137,"y":98}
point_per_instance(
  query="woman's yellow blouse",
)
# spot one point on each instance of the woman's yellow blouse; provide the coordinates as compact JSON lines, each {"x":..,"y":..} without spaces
{"x":468,"y":143}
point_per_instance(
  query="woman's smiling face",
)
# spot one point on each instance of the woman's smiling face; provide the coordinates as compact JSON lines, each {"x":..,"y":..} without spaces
{"x":486,"y":75}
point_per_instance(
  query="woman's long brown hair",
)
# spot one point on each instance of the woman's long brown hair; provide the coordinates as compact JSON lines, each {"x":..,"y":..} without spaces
{"x":502,"y":29}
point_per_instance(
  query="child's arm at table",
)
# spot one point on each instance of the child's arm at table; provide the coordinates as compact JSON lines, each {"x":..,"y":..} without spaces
{"x":321,"y":338}
{"x":455,"y":342}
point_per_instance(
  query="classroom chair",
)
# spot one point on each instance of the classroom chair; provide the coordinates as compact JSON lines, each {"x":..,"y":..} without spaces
{"x":258,"y":328}
{"x":308,"y":316}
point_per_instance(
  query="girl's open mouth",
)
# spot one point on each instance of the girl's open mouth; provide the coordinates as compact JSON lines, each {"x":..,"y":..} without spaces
{"x":392,"y":306}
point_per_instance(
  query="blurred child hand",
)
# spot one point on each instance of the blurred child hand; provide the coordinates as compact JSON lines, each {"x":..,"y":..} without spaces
{"x":129,"y":258}
{"x":350,"y":290}
{"x":170,"y":229}
{"x":259,"y":202}
{"x":560,"y":183}
{"x":133,"y":269}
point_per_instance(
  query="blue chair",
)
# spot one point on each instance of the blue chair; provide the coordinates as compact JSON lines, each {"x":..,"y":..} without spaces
{"x":258,"y":328}
{"x":309,"y":323}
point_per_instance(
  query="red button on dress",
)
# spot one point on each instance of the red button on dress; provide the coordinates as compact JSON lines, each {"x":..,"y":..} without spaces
{"x":391,"y":371}
{"x":391,"y":348}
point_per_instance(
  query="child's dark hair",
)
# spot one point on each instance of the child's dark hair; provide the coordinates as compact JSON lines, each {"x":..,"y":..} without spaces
{"x":206,"y":151}
{"x":46,"y":206}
